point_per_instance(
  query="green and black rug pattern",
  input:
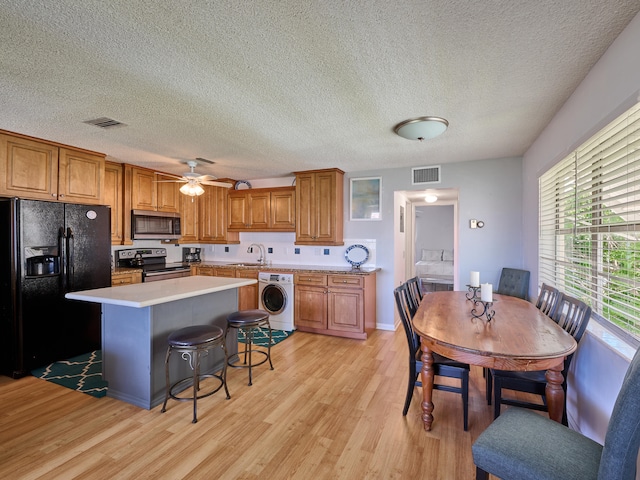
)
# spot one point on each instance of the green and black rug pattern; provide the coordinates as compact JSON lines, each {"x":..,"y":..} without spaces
{"x":261,"y":336}
{"x":82,"y":373}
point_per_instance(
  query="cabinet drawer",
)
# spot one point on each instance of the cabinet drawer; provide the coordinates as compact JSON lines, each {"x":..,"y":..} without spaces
{"x":350,"y":281}
{"x":316,"y":279}
{"x":224,"y":272}
{"x":242,"y":273}
{"x":200,"y":270}
{"x":126,"y":279}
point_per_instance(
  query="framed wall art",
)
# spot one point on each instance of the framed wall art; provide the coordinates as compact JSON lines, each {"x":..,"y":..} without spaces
{"x":366,"y":198}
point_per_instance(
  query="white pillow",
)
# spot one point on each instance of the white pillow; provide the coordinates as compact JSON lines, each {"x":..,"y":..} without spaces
{"x":431,"y":255}
{"x":447,"y":255}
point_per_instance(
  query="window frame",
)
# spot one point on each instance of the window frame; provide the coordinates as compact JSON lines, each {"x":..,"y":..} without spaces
{"x":588,"y":207}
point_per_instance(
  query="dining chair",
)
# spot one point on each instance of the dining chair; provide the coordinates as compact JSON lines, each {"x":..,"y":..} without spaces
{"x":547,"y":299}
{"x":523,"y":445}
{"x":415,"y":289}
{"x":514,"y":282}
{"x":573,"y":316}
{"x":442,"y":366}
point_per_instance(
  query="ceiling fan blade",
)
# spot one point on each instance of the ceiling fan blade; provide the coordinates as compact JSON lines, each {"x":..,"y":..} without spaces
{"x":206,"y":178}
{"x":218,"y":184}
{"x":168,"y":175}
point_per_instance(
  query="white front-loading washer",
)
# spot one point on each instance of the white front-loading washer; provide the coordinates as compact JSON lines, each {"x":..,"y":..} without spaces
{"x":275,"y":294}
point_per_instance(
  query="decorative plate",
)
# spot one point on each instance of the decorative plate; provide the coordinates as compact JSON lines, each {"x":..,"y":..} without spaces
{"x":242,"y":185}
{"x":356,"y":255}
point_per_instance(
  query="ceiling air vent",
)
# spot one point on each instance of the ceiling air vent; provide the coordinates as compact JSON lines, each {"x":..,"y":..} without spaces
{"x":425,"y":175}
{"x":104,"y":122}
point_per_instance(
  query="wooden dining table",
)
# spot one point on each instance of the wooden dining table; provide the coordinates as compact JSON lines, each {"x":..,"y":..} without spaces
{"x":518,"y":337}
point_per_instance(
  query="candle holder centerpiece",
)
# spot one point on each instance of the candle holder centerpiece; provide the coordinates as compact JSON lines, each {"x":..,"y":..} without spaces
{"x":486,"y":300}
{"x":486,"y":310}
{"x":472,"y":294}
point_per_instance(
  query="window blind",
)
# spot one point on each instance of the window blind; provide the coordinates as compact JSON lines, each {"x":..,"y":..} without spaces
{"x":589,"y":223}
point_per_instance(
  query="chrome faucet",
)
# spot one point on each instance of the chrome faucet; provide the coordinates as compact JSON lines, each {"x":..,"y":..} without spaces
{"x":263,"y":257}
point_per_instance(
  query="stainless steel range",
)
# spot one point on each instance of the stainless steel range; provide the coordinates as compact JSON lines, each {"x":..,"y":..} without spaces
{"x":153,"y":262}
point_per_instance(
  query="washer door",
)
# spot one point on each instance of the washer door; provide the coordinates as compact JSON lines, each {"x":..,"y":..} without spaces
{"x":274,"y":299}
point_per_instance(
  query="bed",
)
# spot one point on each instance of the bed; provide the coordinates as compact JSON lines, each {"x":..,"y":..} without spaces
{"x":435,"y":269}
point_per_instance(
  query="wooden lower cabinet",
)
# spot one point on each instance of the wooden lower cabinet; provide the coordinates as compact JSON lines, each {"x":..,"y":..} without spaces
{"x":340,"y":305}
{"x":126,"y":278}
{"x":247,"y":296}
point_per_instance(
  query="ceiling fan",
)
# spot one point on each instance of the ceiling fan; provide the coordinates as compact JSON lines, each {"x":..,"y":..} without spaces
{"x":193,"y":181}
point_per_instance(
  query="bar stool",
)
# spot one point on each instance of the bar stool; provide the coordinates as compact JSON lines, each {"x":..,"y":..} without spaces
{"x":249,"y":321}
{"x":192,"y":342}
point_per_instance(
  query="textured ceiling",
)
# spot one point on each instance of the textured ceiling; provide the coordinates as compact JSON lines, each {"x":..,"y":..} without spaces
{"x":267,"y":88}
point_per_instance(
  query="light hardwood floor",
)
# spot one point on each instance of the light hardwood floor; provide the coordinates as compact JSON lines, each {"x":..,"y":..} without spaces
{"x":331,"y":409}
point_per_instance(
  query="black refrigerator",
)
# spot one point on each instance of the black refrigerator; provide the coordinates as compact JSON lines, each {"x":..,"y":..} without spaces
{"x":46,"y":250}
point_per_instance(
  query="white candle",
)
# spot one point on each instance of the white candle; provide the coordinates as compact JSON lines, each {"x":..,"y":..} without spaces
{"x":475,"y":279}
{"x":486,"y":292}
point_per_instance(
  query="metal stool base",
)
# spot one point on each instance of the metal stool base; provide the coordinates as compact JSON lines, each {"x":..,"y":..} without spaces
{"x":248,"y":321}
{"x":193,"y":353}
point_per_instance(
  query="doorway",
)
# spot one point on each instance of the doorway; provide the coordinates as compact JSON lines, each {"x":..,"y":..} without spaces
{"x":431,"y":239}
{"x":434,"y":246}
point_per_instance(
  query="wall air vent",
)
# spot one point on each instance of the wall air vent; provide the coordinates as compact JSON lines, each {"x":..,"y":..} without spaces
{"x":104,"y":122}
{"x":425,"y":175}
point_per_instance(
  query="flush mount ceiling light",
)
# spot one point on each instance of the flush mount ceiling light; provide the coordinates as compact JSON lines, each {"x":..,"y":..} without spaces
{"x":430,"y":198}
{"x":421,"y":128}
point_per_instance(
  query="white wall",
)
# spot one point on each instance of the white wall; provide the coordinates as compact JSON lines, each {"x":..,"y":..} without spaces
{"x":610,"y":88}
{"x":434,"y":228}
{"x":488,"y":190}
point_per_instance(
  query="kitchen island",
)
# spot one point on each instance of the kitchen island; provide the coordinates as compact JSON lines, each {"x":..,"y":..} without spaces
{"x":137,"y":319}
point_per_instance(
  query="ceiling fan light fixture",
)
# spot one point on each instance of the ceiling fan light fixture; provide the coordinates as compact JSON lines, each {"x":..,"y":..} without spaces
{"x":192,"y":189}
{"x":421,"y":128}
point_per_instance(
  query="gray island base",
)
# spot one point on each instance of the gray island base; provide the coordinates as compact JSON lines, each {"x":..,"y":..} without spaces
{"x":137,"y":319}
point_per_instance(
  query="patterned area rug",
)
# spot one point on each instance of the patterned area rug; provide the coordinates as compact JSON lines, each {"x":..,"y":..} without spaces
{"x":261,"y":336}
{"x":82,"y":373}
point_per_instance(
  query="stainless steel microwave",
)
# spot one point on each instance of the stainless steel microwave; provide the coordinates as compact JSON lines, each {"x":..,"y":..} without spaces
{"x":148,"y":225}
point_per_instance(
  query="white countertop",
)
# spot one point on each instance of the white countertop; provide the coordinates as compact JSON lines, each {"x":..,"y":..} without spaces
{"x":141,"y":295}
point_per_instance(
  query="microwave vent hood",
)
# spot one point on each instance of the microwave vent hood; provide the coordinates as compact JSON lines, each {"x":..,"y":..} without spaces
{"x":151,"y":225}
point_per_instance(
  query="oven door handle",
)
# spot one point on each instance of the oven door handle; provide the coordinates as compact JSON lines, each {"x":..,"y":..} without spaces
{"x":165,"y":272}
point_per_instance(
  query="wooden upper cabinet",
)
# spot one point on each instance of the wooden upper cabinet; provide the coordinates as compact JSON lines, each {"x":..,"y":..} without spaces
{"x":204,"y":218}
{"x":80,"y":177}
{"x":114,"y":197}
{"x":283,"y":209}
{"x":151,"y":191}
{"x":167,"y":193}
{"x":189,"y":219}
{"x":319,"y":207}
{"x":249,"y":210}
{"x":143,"y":189}
{"x":42,"y":170}
{"x":262,"y":209}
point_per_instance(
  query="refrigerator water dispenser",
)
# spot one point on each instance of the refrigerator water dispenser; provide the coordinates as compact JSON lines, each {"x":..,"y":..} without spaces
{"x":42,"y":265}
